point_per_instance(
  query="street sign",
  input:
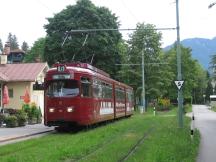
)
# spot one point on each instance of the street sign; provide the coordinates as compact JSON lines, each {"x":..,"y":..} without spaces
{"x":179,"y":83}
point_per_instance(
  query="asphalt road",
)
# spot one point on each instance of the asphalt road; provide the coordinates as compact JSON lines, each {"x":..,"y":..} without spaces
{"x":205,"y":122}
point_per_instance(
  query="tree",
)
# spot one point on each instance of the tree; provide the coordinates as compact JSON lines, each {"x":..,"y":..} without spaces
{"x":124,"y":57}
{"x":36,"y":53}
{"x":102,"y":46}
{"x":167,"y":74}
{"x":147,"y":40}
{"x":209,"y":90}
{"x":1,"y":46}
{"x":25,"y":46}
{"x":192,"y":73}
{"x":201,"y":84}
{"x":212,"y":65}
{"x":12,"y":39}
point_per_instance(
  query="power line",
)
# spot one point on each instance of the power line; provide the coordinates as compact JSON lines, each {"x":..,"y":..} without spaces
{"x":67,"y":33}
{"x":131,"y":13}
{"x":145,"y":63}
{"x":44,"y":5}
{"x":96,"y":30}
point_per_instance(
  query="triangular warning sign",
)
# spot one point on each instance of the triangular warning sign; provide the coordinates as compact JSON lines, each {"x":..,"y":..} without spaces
{"x":179,"y":83}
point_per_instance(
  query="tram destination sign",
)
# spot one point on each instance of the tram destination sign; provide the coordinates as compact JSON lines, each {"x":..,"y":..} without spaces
{"x":62,"y":76}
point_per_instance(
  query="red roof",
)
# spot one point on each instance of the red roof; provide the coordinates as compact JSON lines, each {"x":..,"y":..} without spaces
{"x":21,"y":72}
{"x":3,"y":77}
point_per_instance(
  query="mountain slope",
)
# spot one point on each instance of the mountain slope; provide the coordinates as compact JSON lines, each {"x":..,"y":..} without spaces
{"x":202,"y":49}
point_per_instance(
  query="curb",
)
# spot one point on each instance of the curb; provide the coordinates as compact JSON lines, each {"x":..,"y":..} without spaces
{"x":24,"y":136}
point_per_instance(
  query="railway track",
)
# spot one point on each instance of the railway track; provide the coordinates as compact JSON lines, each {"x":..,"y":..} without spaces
{"x":92,"y":152}
{"x":124,"y":158}
{"x":134,"y":148}
{"x":131,"y":151}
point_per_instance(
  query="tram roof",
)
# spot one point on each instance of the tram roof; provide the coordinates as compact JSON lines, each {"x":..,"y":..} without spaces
{"x":87,"y":68}
{"x":84,"y":66}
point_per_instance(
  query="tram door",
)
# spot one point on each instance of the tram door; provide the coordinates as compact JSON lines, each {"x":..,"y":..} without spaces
{"x":86,"y":103}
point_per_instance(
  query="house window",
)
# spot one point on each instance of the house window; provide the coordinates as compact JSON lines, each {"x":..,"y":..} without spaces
{"x":10,"y":91}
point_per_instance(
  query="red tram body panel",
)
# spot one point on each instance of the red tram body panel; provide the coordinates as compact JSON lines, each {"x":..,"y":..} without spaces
{"x":81,"y":94}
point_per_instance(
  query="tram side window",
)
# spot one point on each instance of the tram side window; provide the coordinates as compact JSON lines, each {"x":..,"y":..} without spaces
{"x":107,"y":91}
{"x":102,"y":89}
{"x":97,"y":89}
{"x":86,"y":87}
{"x":130,"y":96}
{"x":119,"y":94}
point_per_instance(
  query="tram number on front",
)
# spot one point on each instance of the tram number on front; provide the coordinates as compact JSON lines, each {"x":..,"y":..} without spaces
{"x":61,"y":68}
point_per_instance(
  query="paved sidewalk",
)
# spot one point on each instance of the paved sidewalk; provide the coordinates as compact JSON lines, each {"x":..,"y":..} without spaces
{"x":205,"y":122}
{"x":7,"y":134}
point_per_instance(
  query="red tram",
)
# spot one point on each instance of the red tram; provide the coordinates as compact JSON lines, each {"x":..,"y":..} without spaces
{"x":80,"y":94}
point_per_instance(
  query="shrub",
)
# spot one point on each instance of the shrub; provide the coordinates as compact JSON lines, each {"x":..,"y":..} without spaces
{"x":164,"y":104}
{"x":21,"y":118}
{"x":33,"y":113}
{"x":26,"y":108}
{"x":10,"y":111}
{"x":11,"y":121}
{"x":2,"y":118}
{"x":39,"y":117}
{"x":187,"y":108}
{"x":13,"y":117}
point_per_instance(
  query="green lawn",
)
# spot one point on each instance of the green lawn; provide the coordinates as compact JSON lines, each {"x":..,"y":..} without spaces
{"x":213,"y":108}
{"x":163,"y":142}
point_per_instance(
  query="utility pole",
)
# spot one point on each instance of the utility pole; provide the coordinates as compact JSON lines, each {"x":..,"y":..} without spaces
{"x":143,"y":81}
{"x":179,"y":77}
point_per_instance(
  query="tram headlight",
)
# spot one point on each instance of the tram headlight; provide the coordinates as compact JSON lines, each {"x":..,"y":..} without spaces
{"x":51,"y":110}
{"x":70,"y":109}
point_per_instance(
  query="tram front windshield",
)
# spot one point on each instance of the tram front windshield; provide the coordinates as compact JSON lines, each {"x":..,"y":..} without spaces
{"x":62,"y":88}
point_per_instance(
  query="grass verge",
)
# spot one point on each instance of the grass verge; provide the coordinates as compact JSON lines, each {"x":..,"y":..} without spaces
{"x":163,"y":142}
{"x":213,"y":108}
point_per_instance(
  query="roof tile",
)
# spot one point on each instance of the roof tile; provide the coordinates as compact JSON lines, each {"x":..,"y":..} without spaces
{"x":21,"y":72}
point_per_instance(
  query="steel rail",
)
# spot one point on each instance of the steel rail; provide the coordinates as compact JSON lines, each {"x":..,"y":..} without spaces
{"x":139,"y":142}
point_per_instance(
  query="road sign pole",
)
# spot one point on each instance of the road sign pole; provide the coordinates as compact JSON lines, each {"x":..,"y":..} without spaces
{"x":179,"y":77}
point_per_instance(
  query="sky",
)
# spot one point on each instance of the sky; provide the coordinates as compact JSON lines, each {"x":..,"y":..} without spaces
{"x":26,"y":18}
